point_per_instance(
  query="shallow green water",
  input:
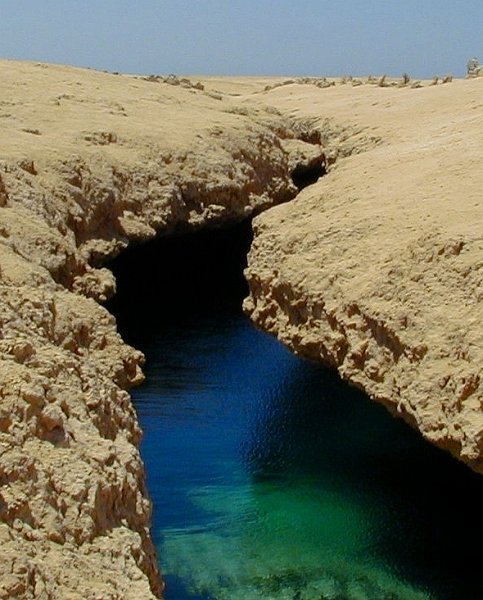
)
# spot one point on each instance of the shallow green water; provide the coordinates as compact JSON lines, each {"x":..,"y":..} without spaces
{"x":272,"y":479}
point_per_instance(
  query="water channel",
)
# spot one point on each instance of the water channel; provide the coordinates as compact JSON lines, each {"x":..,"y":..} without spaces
{"x":270,"y":477}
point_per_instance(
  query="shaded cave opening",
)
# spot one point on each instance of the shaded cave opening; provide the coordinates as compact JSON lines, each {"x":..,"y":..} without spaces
{"x":189,"y":271}
{"x":307,"y":174}
{"x":196,"y":276}
{"x":193,"y":273}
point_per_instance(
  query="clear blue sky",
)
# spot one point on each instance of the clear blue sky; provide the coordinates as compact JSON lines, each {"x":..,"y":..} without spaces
{"x":272,"y":37}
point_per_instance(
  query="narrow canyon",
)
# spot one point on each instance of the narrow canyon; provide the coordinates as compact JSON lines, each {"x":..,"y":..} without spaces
{"x":374,"y":269}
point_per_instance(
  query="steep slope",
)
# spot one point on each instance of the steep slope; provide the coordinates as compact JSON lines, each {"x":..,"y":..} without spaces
{"x":377,"y":269}
{"x":89,"y":162}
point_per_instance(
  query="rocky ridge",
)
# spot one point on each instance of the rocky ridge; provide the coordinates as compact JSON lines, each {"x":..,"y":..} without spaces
{"x":90,"y":162}
{"x":377,"y":269}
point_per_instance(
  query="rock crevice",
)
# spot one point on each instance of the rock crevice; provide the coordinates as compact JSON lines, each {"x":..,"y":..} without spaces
{"x":74,"y":511}
{"x":375,"y":270}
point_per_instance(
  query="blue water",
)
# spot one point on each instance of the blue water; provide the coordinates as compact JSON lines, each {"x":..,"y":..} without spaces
{"x":271,"y":478}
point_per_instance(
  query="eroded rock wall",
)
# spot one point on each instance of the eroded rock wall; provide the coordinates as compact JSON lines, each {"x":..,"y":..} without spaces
{"x":74,"y":513}
{"x":377,"y":270}
{"x":90,"y":162}
{"x":395,"y":331}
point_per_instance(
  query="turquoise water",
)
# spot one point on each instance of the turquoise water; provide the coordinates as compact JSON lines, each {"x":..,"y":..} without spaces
{"x":272,"y":479}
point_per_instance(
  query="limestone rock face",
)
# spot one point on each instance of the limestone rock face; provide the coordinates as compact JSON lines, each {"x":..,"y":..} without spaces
{"x":73,"y":508}
{"x":88,"y":163}
{"x":377,"y":270}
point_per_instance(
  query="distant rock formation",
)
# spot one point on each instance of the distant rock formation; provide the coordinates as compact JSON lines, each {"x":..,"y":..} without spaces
{"x":473,"y":68}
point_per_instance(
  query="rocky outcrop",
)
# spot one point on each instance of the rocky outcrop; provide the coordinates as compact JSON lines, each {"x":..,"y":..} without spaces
{"x":89,"y":163}
{"x":74,"y":513}
{"x":377,"y":269}
{"x":374,"y":270}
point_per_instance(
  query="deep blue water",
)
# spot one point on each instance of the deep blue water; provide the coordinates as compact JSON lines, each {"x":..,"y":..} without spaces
{"x":271,"y":478}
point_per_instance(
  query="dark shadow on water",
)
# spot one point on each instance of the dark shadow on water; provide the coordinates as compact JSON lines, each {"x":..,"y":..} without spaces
{"x":227,"y":409}
{"x":429,"y":505}
{"x":171,"y":279}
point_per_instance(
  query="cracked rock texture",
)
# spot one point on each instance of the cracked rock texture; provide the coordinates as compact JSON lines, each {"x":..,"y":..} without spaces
{"x":377,"y":269}
{"x":89,"y":162}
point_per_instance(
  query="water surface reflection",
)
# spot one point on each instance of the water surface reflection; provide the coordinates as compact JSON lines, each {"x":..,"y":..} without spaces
{"x":270,"y":478}
{"x":273,"y":479}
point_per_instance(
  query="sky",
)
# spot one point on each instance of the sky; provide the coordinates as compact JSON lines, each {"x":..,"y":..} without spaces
{"x":252,"y":37}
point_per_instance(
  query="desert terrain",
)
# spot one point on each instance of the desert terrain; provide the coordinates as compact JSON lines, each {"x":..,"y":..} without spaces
{"x":376,"y":270}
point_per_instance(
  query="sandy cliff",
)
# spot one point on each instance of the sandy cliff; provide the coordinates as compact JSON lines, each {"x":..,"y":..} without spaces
{"x":377,"y":269}
{"x":89,"y":162}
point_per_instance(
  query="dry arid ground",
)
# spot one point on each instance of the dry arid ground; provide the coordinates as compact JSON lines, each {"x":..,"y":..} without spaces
{"x":376,"y":269}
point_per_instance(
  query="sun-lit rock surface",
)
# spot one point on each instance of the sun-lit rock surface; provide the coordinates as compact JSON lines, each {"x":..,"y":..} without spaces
{"x":374,"y":270}
{"x":88,"y":162}
{"x":377,"y":269}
